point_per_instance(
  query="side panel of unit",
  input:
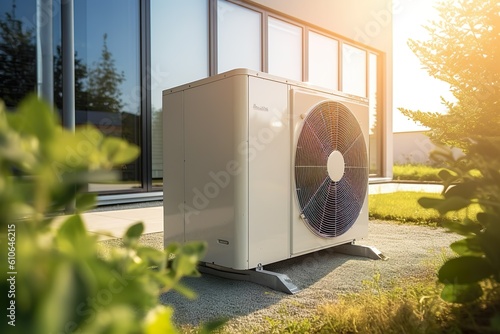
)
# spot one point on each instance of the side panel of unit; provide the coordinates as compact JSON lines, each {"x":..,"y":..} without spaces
{"x":303,"y":240}
{"x":269,"y":171}
{"x":216,"y":169}
{"x":173,"y":170}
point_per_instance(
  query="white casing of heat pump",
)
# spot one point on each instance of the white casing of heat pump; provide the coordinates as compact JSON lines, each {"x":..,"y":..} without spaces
{"x":228,"y":167}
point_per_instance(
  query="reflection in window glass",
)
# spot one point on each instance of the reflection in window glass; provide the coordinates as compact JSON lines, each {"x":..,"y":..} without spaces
{"x":238,"y":37}
{"x":353,"y":70}
{"x":18,"y":50}
{"x":107,"y":81}
{"x":285,"y":49}
{"x":323,"y":61}
{"x":179,"y":54}
{"x":373,"y":114}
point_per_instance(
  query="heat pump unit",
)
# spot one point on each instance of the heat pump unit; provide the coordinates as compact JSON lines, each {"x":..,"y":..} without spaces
{"x":263,"y":169}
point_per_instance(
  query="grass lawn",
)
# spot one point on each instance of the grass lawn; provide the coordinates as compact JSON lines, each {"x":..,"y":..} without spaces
{"x":402,"y":207}
{"x":411,"y":172}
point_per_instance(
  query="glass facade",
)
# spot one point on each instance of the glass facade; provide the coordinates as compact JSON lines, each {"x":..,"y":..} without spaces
{"x":107,"y":77}
{"x":128,"y":51}
{"x":285,"y":49}
{"x":323,"y":61}
{"x":18,"y":50}
{"x":179,"y":54}
{"x":238,"y":37}
{"x":353,"y":70}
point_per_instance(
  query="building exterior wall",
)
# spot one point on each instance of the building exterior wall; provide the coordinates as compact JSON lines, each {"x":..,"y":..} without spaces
{"x":414,"y":148}
{"x":150,"y":45}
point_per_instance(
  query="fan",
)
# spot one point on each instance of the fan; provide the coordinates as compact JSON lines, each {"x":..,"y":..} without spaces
{"x":331,"y":169}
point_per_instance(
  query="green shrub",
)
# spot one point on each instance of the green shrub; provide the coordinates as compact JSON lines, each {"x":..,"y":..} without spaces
{"x":56,"y":280}
{"x":478,"y":254}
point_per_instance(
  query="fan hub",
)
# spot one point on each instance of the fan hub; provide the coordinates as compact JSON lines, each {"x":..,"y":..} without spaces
{"x":335,"y":166}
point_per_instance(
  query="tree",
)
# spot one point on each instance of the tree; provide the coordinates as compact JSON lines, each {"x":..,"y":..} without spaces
{"x":464,"y":51}
{"x":104,"y":81}
{"x":17,"y":59}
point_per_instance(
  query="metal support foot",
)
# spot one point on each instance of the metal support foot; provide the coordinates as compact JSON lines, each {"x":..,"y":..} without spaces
{"x":361,"y":250}
{"x":275,"y":281}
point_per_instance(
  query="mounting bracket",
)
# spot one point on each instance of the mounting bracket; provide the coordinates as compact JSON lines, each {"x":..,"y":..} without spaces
{"x":360,"y":250}
{"x":281,"y":282}
{"x":275,"y":281}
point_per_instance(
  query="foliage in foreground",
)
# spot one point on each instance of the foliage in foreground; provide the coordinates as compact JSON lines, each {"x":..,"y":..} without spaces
{"x":53,"y":279}
{"x":478,"y":254}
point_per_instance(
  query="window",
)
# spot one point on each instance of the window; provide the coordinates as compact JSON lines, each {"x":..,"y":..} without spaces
{"x":179,"y":54}
{"x":353,"y":70}
{"x":18,"y":50}
{"x":107,"y":77}
{"x":285,"y":49}
{"x":323,"y":61}
{"x":373,"y":108}
{"x":238,"y":37}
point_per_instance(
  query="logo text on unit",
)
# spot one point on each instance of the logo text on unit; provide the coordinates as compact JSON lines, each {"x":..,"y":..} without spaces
{"x":261,"y":108}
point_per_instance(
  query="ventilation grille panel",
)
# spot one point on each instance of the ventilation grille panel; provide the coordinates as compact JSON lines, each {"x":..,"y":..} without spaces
{"x":329,"y":204}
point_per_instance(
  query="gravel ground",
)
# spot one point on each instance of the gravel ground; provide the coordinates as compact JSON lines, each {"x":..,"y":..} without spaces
{"x":321,"y":276}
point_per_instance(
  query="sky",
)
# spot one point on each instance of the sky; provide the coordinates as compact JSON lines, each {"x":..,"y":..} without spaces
{"x":413,"y":88}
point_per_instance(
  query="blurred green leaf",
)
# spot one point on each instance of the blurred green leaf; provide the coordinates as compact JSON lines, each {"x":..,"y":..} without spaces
{"x":72,"y":237}
{"x":152,"y":256}
{"x":211,"y":326}
{"x":462,"y":190}
{"x":465,"y":270}
{"x":159,"y":320}
{"x":447,"y":177}
{"x":443,"y":206}
{"x":461,"y":293}
{"x":34,"y":117}
{"x":490,"y":244}
{"x":133,"y":234}
{"x":184,"y":290}
{"x":462,"y":229}
{"x":119,"y":152}
{"x":61,"y":292}
{"x":468,"y":246}
{"x":487,"y":219}
{"x":495,"y":322}
{"x":85,"y":201}
{"x":429,"y":202}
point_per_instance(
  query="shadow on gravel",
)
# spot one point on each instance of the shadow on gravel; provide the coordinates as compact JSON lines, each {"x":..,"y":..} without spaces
{"x":321,"y":276}
{"x":225,"y":298}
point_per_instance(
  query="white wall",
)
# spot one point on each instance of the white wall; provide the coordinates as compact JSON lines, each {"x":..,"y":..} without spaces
{"x":414,"y":148}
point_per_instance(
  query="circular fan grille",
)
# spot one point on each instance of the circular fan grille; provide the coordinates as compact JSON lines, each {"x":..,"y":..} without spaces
{"x":330,"y":207}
